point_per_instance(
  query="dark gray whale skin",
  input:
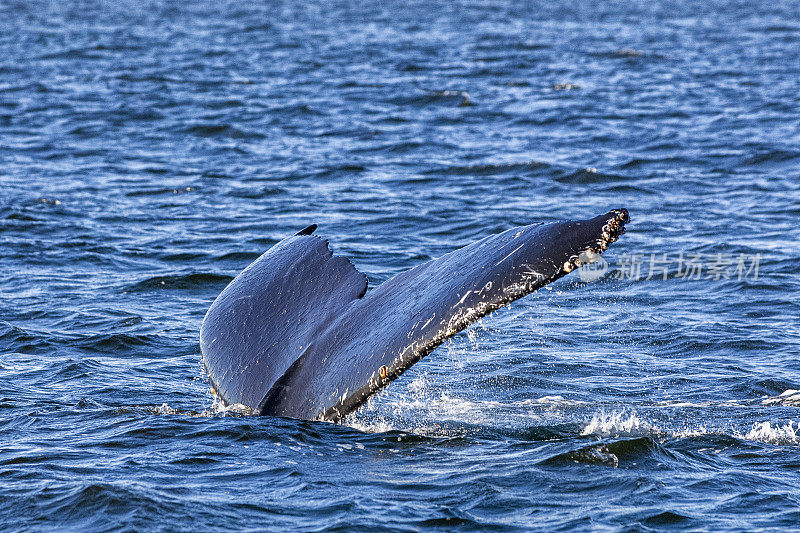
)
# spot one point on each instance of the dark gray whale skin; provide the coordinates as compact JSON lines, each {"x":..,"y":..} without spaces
{"x":296,"y":334}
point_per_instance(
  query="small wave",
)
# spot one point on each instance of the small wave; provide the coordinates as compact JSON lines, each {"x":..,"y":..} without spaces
{"x":23,"y":217}
{"x":179,"y":282}
{"x":255,"y":193}
{"x":90,"y":52}
{"x":113,"y":342}
{"x":157,"y":191}
{"x":65,"y":371}
{"x":607,"y":454}
{"x":222,"y":130}
{"x":101,"y":505}
{"x":488,"y":169}
{"x":225,"y":103}
{"x":781,"y":28}
{"x":10,"y":333}
{"x":594,"y":455}
{"x":622,"y":53}
{"x":638,"y":162}
{"x":666,"y":518}
{"x":771,"y":156}
{"x":587,"y":176}
{"x":789,"y":397}
{"x":182,"y":257}
{"x":447,"y":97}
{"x":247,"y":257}
{"x":297,"y":110}
{"x":405,"y":147}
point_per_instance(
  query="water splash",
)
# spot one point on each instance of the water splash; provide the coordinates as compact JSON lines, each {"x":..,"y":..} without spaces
{"x":789,"y":397}
{"x":788,"y":433}
{"x":217,"y":408}
{"x":616,"y":423}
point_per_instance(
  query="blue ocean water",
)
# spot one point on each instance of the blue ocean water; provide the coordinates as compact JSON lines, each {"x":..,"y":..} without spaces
{"x":150,"y":150}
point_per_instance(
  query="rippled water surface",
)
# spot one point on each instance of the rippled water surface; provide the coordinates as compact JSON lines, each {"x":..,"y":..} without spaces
{"x":151,"y":150}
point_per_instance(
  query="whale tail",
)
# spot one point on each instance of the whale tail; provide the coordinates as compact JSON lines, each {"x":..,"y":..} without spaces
{"x":294,"y":334}
{"x":271,"y":312}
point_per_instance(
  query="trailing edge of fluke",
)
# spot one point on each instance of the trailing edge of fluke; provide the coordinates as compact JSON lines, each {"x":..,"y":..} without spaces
{"x":297,"y":334}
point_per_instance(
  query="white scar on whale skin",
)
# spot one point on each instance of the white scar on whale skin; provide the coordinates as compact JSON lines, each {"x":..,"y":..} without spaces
{"x":429,"y":321}
{"x":529,"y":272}
{"x":509,"y":255}
{"x":461,"y":301}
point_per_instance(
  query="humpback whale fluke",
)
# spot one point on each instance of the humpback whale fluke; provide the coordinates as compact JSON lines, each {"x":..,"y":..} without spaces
{"x":296,"y":334}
